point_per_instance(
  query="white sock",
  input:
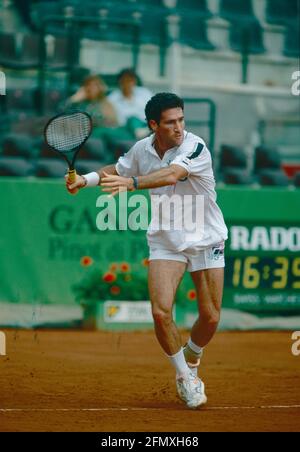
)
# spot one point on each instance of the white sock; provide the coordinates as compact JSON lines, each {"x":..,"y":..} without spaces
{"x":195,"y":348}
{"x":179,"y":363}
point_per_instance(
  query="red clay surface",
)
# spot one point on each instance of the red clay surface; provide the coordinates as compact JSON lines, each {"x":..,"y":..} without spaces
{"x":48,"y":379}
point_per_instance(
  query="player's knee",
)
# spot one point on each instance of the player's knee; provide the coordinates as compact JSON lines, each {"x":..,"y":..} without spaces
{"x":212,"y":319}
{"x":161,"y":316}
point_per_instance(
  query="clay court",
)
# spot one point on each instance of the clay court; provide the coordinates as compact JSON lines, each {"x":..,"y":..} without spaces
{"x":121,"y":382}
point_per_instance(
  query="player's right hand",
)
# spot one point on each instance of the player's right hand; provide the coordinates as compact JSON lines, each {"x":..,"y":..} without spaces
{"x":73,"y":188}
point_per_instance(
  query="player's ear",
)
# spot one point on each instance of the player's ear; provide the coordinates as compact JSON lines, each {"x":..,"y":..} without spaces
{"x":153,"y":124}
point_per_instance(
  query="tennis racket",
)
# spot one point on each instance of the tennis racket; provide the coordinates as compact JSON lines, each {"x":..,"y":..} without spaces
{"x":66,"y":133}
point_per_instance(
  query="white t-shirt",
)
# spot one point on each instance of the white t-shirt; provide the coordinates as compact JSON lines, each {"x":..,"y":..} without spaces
{"x":194,"y":156}
{"x":134,"y":107}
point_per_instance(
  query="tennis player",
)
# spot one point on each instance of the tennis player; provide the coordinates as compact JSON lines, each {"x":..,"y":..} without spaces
{"x":173,"y":161}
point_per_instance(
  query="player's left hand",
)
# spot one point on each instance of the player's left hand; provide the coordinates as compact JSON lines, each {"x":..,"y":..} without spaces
{"x":116,"y":184}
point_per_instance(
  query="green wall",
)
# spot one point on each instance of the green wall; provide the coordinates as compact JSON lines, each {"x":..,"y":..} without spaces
{"x":45,"y":233}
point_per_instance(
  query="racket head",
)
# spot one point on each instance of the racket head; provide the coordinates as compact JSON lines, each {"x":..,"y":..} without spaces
{"x":67,"y":132}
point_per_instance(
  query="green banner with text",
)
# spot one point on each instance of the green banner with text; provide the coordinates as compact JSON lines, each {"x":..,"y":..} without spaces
{"x":53,"y":251}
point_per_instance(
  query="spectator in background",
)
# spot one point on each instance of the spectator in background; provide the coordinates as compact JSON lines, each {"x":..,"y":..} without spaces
{"x":91,"y":97}
{"x":23,"y":7}
{"x":129,"y":102}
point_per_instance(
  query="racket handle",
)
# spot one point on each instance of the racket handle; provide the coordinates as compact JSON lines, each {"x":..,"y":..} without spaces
{"x":72,"y":176}
{"x":72,"y":179}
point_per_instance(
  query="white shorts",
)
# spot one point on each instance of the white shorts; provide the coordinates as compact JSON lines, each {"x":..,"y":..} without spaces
{"x":195,"y":259}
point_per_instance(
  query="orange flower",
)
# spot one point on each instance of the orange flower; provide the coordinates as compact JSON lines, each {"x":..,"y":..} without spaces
{"x":192,"y":295}
{"x":115,"y":290}
{"x":114,"y":267}
{"x":127,"y":278}
{"x":125,"y":268}
{"x":86,"y":261}
{"x":109,"y":277}
{"x":145,"y":262}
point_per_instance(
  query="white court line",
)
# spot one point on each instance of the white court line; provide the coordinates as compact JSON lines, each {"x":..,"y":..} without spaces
{"x":216,"y":408}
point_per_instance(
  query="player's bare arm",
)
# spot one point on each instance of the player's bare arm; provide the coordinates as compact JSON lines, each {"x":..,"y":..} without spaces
{"x":164,"y":177}
{"x":81,"y":181}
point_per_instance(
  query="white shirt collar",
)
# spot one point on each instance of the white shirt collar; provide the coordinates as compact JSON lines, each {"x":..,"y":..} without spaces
{"x":151,"y":148}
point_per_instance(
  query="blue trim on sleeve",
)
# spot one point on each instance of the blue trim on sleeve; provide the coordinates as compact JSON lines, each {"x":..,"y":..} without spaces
{"x":197,"y":152}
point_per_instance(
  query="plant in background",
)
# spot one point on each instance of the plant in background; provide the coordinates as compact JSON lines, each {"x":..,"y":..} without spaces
{"x":192,"y":295}
{"x":118,"y":282}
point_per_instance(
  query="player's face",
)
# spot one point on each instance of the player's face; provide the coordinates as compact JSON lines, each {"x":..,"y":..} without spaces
{"x":170,"y":130}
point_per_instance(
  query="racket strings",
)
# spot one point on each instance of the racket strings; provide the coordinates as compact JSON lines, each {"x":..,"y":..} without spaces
{"x":68,"y":132}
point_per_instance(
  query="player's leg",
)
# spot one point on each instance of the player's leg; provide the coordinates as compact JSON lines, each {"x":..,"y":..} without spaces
{"x":207,"y":271}
{"x":209,"y":286}
{"x":164,"y":279}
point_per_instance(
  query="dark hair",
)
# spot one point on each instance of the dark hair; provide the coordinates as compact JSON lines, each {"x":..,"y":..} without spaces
{"x":129,"y":72}
{"x":160,"y":103}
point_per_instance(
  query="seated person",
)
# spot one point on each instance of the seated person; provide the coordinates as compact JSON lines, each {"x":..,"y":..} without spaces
{"x":91,"y":97}
{"x":129,"y":103}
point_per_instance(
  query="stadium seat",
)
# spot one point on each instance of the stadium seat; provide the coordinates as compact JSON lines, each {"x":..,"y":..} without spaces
{"x":51,"y":168}
{"x":119,"y":148}
{"x":198,"y":7}
{"x":137,"y":4}
{"x":45,"y":150}
{"x":87,"y":166}
{"x":292,"y":40}
{"x":3,"y":108}
{"x":266,"y":158}
{"x":237,"y":176}
{"x":193,"y":33}
{"x":20,"y":103}
{"x":32,"y":126}
{"x":247,"y":36}
{"x":8,"y":50}
{"x":279,"y":12}
{"x":297,"y":180}
{"x":147,"y":3}
{"x":232,"y":157}
{"x":20,"y":145}
{"x":112,"y":22}
{"x":127,"y":23}
{"x":27,"y":57}
{"x":157,"y":3}
{"x":39,"y":13}
{"x":60,"y":56}
{"x":77,"y":77}
{"x":233,"y":10}
{"x":53,"y":99}
{"x":30,"y":52}
{"x":15,"y":166}
{"x":94,"y":149}
{"x":273,"y":177}
{"x":154,"y":28}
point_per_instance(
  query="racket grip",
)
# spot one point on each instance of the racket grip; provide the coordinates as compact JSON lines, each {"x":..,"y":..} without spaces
{"x":72,"y":176}
{"x":71,"y":180}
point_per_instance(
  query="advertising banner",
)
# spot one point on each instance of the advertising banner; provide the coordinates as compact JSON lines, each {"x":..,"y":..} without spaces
{"x":52,"y":251}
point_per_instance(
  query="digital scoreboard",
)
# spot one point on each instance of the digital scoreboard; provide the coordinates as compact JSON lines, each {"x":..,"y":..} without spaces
{"x":263,"y":268}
